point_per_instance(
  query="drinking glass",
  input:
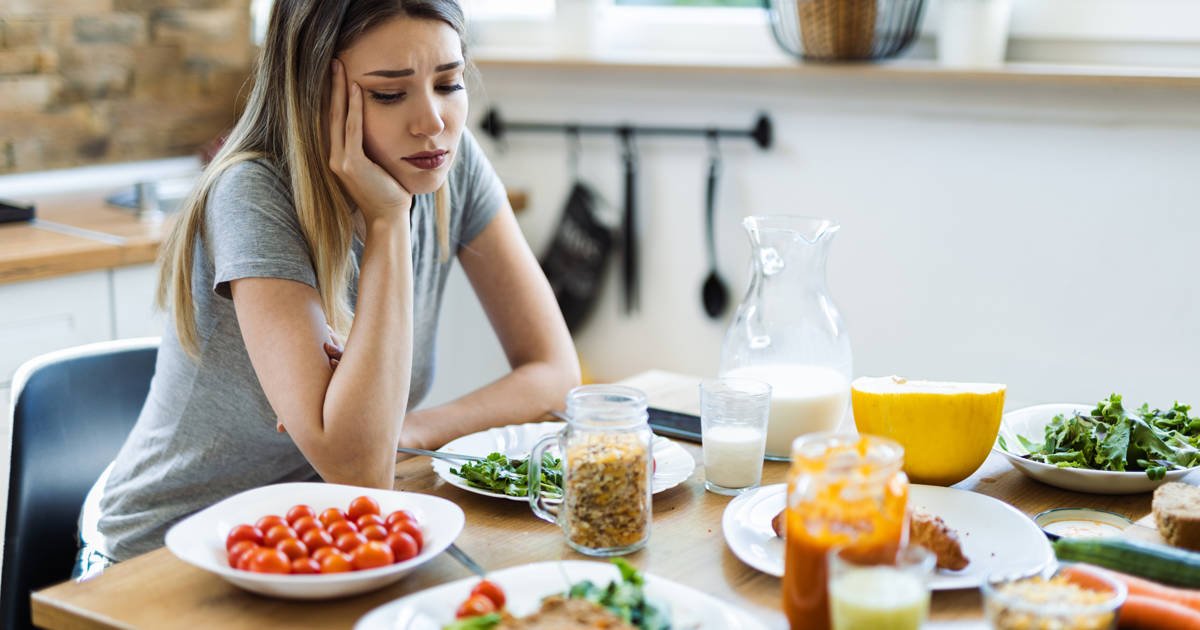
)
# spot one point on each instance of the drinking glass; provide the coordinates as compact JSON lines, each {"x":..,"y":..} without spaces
{"x":733,"y":429}
{"x":868,"y":592}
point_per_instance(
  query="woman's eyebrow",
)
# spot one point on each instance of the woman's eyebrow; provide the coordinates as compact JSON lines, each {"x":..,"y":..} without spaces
{"x":408,"y":72}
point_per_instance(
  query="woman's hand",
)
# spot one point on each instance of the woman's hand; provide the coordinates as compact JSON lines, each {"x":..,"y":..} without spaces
{"x":378,"y":194}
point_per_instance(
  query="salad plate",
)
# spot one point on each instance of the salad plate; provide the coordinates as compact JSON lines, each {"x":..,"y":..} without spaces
{"x":673,"y":465}
{"x":995,"y":536}
{"x":199,"y":539}
{"x":1030,"y":423}
{"x":526,"y":585}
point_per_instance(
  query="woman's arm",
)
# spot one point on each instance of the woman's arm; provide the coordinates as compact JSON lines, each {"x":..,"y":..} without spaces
{"x":523,"y":312}
{"x":346,"y":422}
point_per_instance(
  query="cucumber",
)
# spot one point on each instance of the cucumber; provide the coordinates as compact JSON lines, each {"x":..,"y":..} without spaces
{"x":1160,"y":563}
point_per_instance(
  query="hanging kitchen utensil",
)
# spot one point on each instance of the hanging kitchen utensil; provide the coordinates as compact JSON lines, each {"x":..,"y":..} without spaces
{"x":715,"y":294}
{"x":629,"y":252}
{"x":578,"y":254}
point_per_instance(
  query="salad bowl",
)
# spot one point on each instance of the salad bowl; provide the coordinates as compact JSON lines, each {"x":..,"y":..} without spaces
{"x":1030,"y":423}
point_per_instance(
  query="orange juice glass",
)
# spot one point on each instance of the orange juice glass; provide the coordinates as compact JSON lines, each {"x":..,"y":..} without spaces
{"x":846,"y":491}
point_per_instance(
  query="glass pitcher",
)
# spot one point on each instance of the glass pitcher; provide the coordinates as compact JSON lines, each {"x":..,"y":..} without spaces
{"x":788,"y":332}
{"x":607,"y":471}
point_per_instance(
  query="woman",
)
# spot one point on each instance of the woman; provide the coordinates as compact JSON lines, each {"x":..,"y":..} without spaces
{"x":349,"y":181}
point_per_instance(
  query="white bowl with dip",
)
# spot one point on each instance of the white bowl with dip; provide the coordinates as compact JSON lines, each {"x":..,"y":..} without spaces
{"x":1081,"y":523}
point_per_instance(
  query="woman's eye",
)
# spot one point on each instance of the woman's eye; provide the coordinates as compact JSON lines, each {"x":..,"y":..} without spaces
{"x":386,"y":97}
{"x":453,"y":87}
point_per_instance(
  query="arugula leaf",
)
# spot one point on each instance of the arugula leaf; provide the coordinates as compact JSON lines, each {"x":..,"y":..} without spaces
{"x":625,"y":598}
{"x":511,"y":477}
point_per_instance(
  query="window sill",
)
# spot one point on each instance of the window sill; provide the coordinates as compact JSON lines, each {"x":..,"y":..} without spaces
{"x":904,"y":69}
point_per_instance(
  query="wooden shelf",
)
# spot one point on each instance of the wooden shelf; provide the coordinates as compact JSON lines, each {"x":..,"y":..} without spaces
{"x":1044,"y":73}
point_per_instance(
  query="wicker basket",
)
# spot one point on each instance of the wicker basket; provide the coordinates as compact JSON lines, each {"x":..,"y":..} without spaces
{"x":837,"y":30}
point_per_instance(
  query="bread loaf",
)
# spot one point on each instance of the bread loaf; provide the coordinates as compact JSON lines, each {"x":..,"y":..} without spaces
{"x":1176,"y":509}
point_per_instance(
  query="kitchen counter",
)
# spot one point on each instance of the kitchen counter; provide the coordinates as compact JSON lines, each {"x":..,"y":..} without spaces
{"x":76,"y":233}
{"x":80,"y":232}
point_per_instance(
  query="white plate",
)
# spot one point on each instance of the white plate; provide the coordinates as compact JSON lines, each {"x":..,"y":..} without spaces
{"x":1031,"y":422}
{"x":526,"y":585}
{"x":673,"y":465}
{"x":200,"y":538}
{"x":994,"y":535}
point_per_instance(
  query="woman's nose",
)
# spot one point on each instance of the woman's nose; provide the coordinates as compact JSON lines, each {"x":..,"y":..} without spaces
{"x":427,"y":118}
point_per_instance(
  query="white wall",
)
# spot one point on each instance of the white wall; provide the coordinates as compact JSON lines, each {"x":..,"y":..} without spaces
{"x":1037,"y":235}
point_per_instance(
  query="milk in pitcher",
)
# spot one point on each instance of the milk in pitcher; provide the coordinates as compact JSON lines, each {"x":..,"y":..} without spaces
{"x":804,"y":399}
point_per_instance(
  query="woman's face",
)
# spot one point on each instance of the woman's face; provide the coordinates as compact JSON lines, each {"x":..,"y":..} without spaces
{"x":415,"y":101}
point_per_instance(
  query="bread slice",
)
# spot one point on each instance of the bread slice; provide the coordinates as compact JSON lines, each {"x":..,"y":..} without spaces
{"x":1176,"y":509}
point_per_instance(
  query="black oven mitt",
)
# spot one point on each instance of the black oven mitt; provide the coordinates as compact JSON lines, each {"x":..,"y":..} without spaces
{"x":578,"y":255}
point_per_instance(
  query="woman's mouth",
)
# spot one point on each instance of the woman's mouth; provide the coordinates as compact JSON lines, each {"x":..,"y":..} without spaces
{"x":427,"y":160}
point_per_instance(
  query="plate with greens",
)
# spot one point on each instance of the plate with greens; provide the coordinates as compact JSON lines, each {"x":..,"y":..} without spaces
{"x":504,"y":474}
{"x":1104,"y":448}
{"x":649,"y":602}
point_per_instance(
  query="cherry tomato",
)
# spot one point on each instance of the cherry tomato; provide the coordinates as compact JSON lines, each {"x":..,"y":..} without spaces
{"x":403,"y":546}
{"x":362,"y":505}
{"x":371,"y":555}
{"x":491,"y":591}
{"x":243,"y":562}
{"x":348,"y":542}
{"x":368,"y":519}
{"x":298,"y":512}
{"x":475,"y":606}
{"x":316,"y":539}
{"x":276,"y":534}
{"x":243,"y":532}
{"x":305,"y":566}
{"x":270,"y":561}
{"x":305,"y":523}
{"x":240,"y":547}
{"x":267,"y":522}
{"x":331,"y":516}
{"x":320,"y":554}
{"x":397,"y":516}
{"x":292,"y":548}
{"x":410,"y":528}
{"x":336,"y":562}
{"x":375,"y":532}
{"x":341,"y":527}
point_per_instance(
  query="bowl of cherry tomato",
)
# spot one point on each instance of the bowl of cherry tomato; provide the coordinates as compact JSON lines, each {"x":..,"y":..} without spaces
{"x":316,"y":540}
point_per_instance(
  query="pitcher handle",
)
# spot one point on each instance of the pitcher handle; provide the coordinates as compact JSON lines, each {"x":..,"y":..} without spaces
{"x":536,"y":500}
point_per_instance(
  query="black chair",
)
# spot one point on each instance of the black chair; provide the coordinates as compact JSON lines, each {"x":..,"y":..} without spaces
{"x":71,"y":411}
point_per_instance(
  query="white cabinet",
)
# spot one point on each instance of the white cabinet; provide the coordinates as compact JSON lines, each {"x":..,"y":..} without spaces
{"x":468,"y":354}
{"x":134,"y":313}
{"x":44,"y":315}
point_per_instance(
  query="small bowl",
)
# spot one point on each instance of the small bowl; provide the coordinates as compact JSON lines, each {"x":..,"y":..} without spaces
{"x":1009,"y":610}
{"x":1081,"y":523}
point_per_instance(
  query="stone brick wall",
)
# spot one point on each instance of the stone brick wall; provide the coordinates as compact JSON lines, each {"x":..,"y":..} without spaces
{"x":90,"y":81}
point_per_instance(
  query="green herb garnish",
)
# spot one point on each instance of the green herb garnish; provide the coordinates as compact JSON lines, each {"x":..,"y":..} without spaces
{"x":507,"y":476}
{"x":624,"y":599}
{"x":482,"y":622}
{"x":1111,"y":438}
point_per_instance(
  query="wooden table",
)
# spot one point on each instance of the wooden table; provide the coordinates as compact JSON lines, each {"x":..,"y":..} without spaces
{"x":158,"y":591}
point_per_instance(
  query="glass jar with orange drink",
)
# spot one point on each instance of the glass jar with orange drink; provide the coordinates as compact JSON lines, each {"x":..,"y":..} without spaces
{"x":844,"y":491}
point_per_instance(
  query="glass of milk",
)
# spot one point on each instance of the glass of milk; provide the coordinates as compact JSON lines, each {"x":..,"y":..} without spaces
{"x":733,"y":428}
{"x":866,"y":593}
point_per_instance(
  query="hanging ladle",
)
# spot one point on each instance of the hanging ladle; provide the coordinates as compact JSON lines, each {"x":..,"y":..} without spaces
{"x":715,"y":294}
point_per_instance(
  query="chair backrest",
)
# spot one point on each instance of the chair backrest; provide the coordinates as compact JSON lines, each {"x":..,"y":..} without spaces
{"x":71,"y":412}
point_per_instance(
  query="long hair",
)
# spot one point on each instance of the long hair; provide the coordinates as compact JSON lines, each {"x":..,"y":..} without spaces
{"x":285,"y":121}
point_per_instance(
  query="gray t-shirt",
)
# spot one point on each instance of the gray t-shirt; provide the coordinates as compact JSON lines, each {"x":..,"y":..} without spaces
{"x":206,"y":431}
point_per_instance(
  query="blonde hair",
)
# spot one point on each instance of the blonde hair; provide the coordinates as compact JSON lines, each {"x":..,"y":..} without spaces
{"x":284,"y":121}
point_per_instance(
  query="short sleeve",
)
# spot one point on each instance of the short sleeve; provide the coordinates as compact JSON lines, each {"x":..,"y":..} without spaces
{"x":251,"y":229}
{"x":478,"y":192}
